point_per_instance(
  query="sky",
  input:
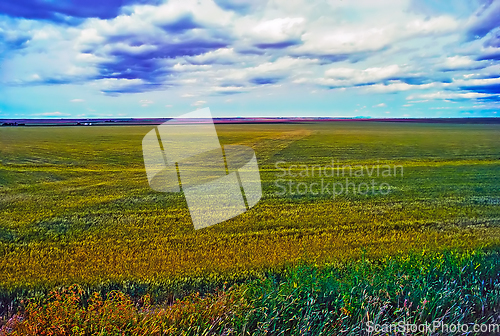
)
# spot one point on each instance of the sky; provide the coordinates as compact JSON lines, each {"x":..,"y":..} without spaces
{"x":329,"y":58}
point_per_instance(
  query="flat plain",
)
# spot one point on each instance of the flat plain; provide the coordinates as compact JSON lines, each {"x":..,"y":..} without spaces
{"x":76,"y":207}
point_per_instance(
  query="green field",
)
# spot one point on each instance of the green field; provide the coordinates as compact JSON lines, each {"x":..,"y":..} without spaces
{"x":76,"y":208}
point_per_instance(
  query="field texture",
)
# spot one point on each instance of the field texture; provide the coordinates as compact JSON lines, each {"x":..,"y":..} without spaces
{"x":75,"y":206}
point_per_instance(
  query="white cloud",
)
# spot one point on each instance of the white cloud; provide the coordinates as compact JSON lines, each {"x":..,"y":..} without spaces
{"x":448,"y":95}
{"x":351,"y":76}
{"x":344,"y":41}
{"x":280,"y":30}
{"x":397,"y":86}
{"x":440,"y":108}
{"x":77,"y":100}
{"x":220,"y":56}
{"x":457,"y":62}
{"x":199,"y":103}
{"x":117,"y":84}
{"x":433,"y":26}
{"x":477,"y":82}
{"x":145,"y":102}
{"x":380,"y":105}
{"x":228,"y":89}
{"x":52,"y":114}
{"x":356,"y":39}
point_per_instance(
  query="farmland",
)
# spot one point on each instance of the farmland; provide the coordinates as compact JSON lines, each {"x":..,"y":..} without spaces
{"x":76,"y":208}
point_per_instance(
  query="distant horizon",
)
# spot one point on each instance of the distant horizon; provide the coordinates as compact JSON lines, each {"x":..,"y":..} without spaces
{"x":360,"y":118}
{"x":255,"y":117}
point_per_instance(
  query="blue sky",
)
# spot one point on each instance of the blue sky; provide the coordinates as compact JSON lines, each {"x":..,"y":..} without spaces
{"x":153,"y":58}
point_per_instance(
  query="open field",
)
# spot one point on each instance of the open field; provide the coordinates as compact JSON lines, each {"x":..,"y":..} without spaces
{"x":75,"y":206}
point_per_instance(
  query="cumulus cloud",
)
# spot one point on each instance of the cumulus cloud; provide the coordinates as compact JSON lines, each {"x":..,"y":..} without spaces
{"x":343,"y":44}
{"x":144,"y":45}
{"x":278,"y":33}
{"x":489,"y":53}
{"x":350,"y":76}
{"x":199,"y":103}
{"x":115,"y":86}
{"x":484,"y":20}
{"x":14,"y":35}
{"x":357,"y":42}
{"x":228,"y":90}
{"x":390,"y":78}
{"x":484,"y":85}
{"x":462,"y":63}
{"x":273,"y":72}
{"x":222,"y":56}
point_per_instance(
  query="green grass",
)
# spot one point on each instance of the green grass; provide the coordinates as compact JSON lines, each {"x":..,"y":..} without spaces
{"x":455,"y":287}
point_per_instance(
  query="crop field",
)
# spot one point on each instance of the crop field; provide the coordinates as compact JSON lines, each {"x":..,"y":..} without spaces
{"x":424,"y":200}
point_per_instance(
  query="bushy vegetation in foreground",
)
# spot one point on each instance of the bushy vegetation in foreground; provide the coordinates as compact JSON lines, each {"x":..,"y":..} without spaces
{"x":452,"y":287}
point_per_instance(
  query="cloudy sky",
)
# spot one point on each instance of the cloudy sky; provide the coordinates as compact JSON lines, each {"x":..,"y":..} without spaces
{"x":154,"y":58}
